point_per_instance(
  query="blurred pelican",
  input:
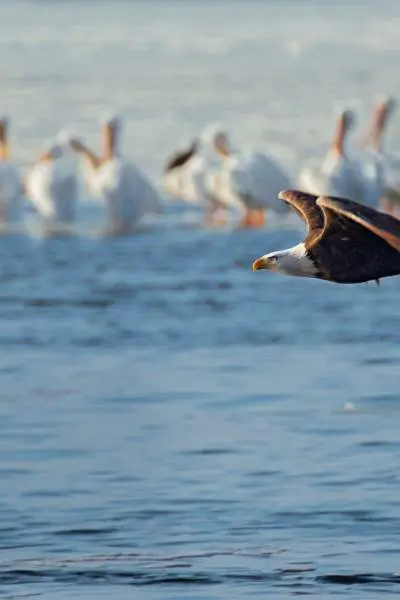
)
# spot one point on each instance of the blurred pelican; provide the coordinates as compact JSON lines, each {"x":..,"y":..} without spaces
{"x":192,"y":175}
{"x":175,"y":170}
{"x":248,"y":179}
{"x":126,"y":192}
{"x":52,"y":186}
{"x":338,"y":174}
{"x":11,"y":184}
{"x":387,"y":165}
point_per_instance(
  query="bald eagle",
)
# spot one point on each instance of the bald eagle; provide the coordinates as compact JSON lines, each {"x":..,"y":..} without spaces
{"x":346,"y":242}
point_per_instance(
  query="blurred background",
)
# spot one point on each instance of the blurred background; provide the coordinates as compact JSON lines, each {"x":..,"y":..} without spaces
{"x":170,"y":420}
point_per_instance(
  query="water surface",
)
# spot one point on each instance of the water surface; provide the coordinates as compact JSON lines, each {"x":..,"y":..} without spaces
{"x":173,"y":425}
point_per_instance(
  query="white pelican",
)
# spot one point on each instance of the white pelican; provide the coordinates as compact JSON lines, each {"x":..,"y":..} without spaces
{"x":124,"y":189}
{"x":338,"y":174}
{"x":387,"y":164}
{"x":175,"y":178}
{"x":52,"y":185}
{"x":192,"y":175}
{"x":250,"y":180}
{"x":11,"y":184}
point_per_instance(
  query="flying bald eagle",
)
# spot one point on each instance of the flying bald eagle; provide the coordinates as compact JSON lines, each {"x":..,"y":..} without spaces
{"x":346,"y":242}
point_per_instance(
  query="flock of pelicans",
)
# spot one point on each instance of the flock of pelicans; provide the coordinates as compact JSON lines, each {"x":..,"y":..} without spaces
{"x":215,"y":175}
{"x":348,"y":200}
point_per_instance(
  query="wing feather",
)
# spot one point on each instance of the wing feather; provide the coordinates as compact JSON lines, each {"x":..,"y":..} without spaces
{"x":382,"y":225}
{"x":180,"y":158}
{"x":306,"y":207}
{"x":52,"y":188}
{"x":39,"y":182}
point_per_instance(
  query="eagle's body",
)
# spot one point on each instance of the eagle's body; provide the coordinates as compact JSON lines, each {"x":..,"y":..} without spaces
{"x":346,"y":242}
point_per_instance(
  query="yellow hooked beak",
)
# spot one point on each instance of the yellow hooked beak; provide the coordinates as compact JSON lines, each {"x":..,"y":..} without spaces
{"x":262,"y":263}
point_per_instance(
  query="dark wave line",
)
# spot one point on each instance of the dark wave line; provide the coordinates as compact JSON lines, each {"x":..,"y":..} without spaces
{"x":358,"y":578}
{"x":294,"y":576}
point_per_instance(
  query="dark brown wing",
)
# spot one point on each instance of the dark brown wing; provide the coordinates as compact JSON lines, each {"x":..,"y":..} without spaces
{"x":354,"y":245}
{"x":307,"y":208}
{"x":181,"y":158}
{"x":382,"y":225}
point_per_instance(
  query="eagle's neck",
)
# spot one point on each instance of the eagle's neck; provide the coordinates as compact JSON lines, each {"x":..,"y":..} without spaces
{"x":297,"y":261}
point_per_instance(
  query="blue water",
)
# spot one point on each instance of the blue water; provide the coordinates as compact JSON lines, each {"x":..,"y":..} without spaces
{"x":172,"y":424}
{"x":170,"y":418}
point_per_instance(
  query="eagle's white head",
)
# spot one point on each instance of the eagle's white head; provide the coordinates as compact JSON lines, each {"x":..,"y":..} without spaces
{"x":293,"y":261}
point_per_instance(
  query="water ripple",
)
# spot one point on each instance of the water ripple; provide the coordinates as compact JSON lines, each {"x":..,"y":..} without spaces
{"x":177,"y":571}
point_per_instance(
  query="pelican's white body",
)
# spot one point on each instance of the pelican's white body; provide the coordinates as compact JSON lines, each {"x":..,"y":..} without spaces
{"x":125,"y":191}
{"x":253,"y":179}
{"x":52,"y":187}
{"x":373,"y":175}
{"x":387,"y":169}
{"x":188,"y":181}
{"x":337,"y":176}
